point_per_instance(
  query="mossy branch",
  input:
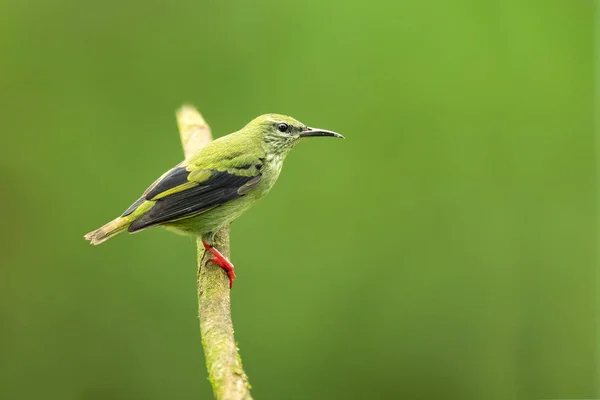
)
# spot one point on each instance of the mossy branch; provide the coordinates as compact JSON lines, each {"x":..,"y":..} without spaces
{"x":228,"y":379}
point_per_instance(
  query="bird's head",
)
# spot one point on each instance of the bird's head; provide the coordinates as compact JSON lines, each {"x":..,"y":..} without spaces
{"x":280,"y":133}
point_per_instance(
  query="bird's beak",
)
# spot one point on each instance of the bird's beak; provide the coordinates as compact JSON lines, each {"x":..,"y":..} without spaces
{"x":310,"y":132}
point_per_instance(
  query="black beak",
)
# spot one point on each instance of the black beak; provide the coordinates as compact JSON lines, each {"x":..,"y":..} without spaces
{"x":310,"y":132}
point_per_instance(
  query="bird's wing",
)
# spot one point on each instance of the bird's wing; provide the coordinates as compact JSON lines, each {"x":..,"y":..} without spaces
{"x":197,"y":186}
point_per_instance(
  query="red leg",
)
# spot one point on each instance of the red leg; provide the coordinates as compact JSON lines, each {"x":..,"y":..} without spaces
{"x":221,"y":261}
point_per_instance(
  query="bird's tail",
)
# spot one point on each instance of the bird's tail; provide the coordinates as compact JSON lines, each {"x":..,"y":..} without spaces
{"x":109,"y":230}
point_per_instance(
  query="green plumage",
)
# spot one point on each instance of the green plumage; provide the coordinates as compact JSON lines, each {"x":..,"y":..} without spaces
{"x":217,"y":184}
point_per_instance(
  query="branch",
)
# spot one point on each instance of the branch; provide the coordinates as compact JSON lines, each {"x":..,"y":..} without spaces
{"x":228,"y":379}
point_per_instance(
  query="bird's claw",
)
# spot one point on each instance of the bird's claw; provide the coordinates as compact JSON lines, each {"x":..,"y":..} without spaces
{"x":228,"y":267}
{"x":221,"y":261}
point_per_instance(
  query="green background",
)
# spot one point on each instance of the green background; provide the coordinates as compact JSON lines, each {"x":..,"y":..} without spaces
{"x":445,"y":250}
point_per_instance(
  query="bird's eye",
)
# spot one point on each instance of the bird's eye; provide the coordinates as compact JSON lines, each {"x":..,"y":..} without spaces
{"x":282,"y":127}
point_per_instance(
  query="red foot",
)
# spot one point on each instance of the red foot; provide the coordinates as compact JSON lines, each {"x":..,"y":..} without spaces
{"x":221,"y":261}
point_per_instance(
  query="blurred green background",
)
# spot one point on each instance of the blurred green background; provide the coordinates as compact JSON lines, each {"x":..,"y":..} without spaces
{"x":446,"y":249}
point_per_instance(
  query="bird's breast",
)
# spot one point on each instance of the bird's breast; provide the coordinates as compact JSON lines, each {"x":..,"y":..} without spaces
{"x":270,"y":172}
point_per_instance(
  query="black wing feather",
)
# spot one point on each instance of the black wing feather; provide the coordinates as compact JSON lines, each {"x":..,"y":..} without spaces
{"x":177,"y":176}
{"x":134,"y":206}
{"x":220,"y":188}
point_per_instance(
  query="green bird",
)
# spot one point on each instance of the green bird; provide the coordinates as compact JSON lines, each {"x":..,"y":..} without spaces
{"x":216,"y":185}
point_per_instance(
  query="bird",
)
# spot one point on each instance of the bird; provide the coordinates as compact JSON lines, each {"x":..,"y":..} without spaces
{"x":216,"y":185}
